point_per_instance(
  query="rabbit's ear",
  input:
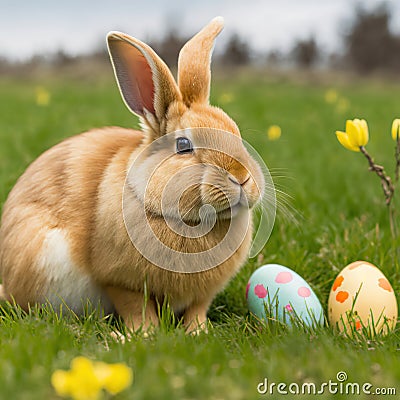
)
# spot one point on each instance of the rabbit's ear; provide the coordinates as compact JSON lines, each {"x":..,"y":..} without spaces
{"x":145,"y":82}
{"x":194,"y":74}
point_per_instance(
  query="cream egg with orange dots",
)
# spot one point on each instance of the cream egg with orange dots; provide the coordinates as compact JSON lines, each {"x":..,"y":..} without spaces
{"x":362,"y":299}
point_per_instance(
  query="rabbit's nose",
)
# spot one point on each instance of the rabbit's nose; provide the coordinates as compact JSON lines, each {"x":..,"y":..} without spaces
{"x":237,"y":172}
{"x":238,"y":181}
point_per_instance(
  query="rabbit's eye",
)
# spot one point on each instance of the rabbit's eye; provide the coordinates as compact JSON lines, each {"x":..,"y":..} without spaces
{"x":183,"y":145}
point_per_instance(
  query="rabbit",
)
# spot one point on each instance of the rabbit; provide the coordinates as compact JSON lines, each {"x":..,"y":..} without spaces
{"x":64,"y":235}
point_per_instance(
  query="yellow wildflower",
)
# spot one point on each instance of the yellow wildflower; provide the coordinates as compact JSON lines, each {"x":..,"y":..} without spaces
{"x":396,"y":129}
{"x":331,"y":96}
{"x":80,"y":383}
{"x":42,"y":96}
{"x":62,"y":382}
{"x":226,"y":98}
{"x":356,"y":134}
{"x":86,"y":379}
{"x":114,"y":377}
{"x":274,"y":132}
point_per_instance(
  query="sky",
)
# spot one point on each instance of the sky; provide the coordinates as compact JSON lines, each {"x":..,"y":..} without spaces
{"x":78,"y":26}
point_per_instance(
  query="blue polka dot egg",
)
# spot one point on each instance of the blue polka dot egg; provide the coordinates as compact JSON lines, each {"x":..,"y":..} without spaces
{"x":277,"y":292}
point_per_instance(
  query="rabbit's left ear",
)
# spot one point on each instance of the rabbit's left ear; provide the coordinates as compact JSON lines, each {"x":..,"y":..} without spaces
{"x":194,"y":74}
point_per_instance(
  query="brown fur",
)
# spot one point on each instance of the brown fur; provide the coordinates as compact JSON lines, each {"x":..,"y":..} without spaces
{"x":56,"y":192}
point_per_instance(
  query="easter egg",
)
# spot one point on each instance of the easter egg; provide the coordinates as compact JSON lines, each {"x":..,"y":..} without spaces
{"x":277,"y":292}
{"x":362,"y":298}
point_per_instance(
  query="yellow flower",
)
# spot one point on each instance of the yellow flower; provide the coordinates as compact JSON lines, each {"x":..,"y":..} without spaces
{"x":42,"y":96}
{"x":80,"y":383}
{"x":274,"y":132}
{"x":114,"y":377}
{"x":396,"y":129}
{"x":86,"y":379}
{"x":356,"y":134}
{"x":226,"y":98}
{"x":62,"y":382}
{"x":331,"y":96}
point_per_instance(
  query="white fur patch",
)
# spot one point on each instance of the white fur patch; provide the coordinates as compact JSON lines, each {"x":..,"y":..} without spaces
{"x":67,"y":284}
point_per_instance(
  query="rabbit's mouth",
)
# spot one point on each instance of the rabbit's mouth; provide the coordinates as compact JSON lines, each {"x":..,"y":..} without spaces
{"x":231,"y":210}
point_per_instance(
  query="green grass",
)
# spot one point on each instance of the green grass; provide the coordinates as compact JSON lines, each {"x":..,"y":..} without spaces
{"x":341,"y":217}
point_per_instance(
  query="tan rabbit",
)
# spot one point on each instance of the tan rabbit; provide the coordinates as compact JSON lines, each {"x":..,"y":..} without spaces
{"x":65,"y":237}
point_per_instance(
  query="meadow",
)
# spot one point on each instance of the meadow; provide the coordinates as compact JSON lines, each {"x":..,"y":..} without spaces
{"x":334,"y":214}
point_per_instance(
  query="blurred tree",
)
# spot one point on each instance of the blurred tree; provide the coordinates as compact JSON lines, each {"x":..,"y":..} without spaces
{"x":305,"y":52}
{"x":237,"y":51}
{"x":275,"y":58}
{"x":62,"y":58}
{"x":370,"y":45}
{"x":169,"y":46}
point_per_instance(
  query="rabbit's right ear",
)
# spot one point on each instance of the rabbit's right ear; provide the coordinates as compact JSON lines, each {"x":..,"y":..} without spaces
{"x":145,"y":82}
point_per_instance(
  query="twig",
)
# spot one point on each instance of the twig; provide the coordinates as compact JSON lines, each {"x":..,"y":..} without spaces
{"x":387,"y":185}
{"x":397,"y":156}
{"x":386,"y":182}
